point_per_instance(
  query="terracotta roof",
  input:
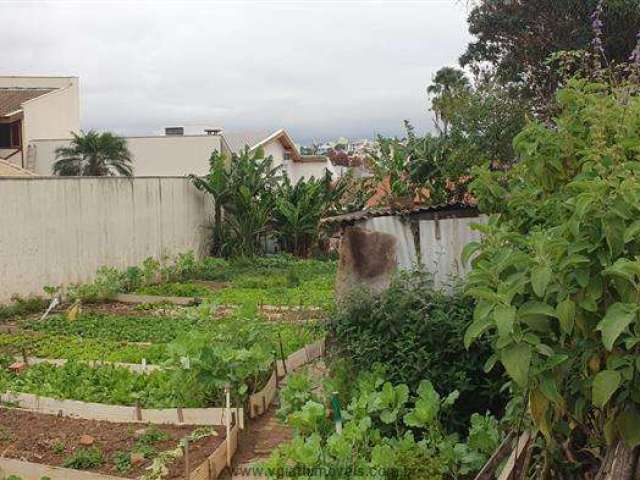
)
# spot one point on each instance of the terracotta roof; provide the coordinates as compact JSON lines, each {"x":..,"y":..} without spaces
{"x":8,"y":169}
{"x":11,"y":99}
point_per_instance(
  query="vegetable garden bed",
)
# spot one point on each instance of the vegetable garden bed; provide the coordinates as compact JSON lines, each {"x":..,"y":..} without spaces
{"x":159,"y":363}
{"x":32,"y":443}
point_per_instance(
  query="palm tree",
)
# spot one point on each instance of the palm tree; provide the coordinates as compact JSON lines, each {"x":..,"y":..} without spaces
{"x":94,"y":154}
{"x":446,"y":80}
{"x":448,"y":83}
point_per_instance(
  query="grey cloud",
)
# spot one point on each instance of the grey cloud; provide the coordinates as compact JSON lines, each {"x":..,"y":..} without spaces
{"x":320,"y":69}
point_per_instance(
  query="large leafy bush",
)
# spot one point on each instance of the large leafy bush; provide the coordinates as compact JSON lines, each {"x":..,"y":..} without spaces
{"x":557,"y":274}
{"x":417,"y":332}
{"x":388,"y":433}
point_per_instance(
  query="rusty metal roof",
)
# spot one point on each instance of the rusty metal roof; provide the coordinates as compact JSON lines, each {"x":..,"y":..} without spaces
{"x":11,"y":99}
{"x":438,"y":211}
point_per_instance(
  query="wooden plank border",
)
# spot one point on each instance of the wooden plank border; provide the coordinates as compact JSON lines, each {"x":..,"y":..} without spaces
{"x":134,"y":299}
{"x":35,"y":471}
{"x":119,"y":413}
{"x":260,"y":401}
{"x":302,"y":357}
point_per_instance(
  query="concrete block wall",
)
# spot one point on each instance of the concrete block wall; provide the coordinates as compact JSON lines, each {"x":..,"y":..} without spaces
{"x":57,"y":231}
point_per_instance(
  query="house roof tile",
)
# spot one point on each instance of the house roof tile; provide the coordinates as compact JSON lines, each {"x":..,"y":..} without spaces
{"x":11,"y":99}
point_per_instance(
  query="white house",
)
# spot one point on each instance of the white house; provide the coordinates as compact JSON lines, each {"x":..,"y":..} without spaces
{"x":38,"y":114}
{"x":284,"y":151}
{"x":176,"y":154}
{"x":33,"y":108}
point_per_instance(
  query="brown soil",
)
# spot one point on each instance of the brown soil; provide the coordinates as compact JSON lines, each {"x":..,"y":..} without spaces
{"x":31,"y":437}
{"x":130,"y":310}
{"x":212,"y":285}
{"x":294,"y":316}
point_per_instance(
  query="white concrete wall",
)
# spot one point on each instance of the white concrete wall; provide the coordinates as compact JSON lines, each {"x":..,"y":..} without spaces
{"x":56,"y":231}
{"x":164,"y":156}
{"x":41,"y":154}
{"x":276,"y":150}
{"x":53,"y":115}
{"x":441,"y":245}
{"x":298,"y":170}
{"x":172,"y":155}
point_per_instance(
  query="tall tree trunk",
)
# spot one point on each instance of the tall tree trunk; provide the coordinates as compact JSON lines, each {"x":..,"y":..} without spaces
{"x":620,"y":463}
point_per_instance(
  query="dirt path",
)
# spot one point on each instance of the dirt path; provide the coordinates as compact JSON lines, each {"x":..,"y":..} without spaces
{"x":264,"y":434}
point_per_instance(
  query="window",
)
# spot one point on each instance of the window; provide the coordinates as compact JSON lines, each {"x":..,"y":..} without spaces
{"x":5,"y":135}
{"x":10,"y":135}
{"x":287,"y":155}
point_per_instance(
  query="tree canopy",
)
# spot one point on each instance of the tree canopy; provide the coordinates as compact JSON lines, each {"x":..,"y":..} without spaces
{"x":94,"y":154}
{"x":518,"y":36}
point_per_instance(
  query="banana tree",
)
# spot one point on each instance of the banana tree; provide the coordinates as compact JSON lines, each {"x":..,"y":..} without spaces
{"x":299,"y":208}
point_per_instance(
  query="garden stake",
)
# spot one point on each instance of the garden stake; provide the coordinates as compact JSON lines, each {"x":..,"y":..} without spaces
{"x":187,"y":469}
{"x":337,"y":413}
{"x":284,"y":363}
{"x":275,"y":367}
{"x":138,"y":411}
{"x":227,"y":392}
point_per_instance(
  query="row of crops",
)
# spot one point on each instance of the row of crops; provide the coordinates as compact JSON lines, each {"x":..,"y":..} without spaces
{"x":200,"y":349}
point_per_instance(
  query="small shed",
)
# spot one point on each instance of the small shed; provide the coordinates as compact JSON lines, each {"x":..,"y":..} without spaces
{"x":431,"y":236}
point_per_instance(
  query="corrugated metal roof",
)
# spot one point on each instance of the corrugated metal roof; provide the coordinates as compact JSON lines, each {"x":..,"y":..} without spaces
{"x":11,"y":99}
{"x":443,"y":211}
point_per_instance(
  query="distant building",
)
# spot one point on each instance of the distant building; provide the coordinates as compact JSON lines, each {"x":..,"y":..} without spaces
{"x":38,"y":115}
{"x":35,"y":108}
{"x":8,"y":169}
{"x":284,"y":152}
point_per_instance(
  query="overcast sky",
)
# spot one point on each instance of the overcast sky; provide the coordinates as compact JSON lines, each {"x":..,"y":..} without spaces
{"x":321,"y":69}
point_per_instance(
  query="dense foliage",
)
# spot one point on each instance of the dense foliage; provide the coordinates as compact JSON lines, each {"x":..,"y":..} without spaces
{"x":22,"y":306}
{"x":298,"y":210}
{"x":416,"y":333}
{"x":387,"y":433}
{"x":91,"y":336}
{"x":118,"y":327}
{"x":76,"y":348}
{"x":261,"y":203}
{"x":556,"y":275}
{"x":276,"y":280}
{"x":518,"y":37}
{"x":204,"y":354}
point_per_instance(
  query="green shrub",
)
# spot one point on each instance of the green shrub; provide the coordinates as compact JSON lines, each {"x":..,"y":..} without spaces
{"x":294,"y":395}
{"x":416,"y":332}
{"x":122,"y":461}
{"x":176,"y":289}
{"x":557,"y":275}
{"x":387,"y":433}
{"x":84,"y":458}
{"x":23,"y":306}
{"x":107,"y":284}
